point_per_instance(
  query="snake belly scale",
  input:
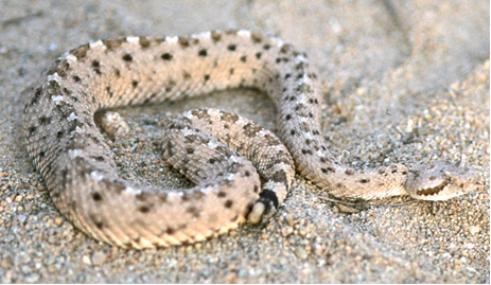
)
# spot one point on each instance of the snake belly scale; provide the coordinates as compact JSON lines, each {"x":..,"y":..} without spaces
{"x":241,"y":171}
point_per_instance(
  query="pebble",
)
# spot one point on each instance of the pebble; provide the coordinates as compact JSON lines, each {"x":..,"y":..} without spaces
{"x":301,"y":253}
{"x":98,"y":258}
{"x":58,"y":221}
{"x":86,"y":260}
{"x":474,"y":229}
{"x":32,"y":278}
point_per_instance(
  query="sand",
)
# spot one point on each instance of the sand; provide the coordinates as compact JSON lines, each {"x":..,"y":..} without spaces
{"x":406,"y":81}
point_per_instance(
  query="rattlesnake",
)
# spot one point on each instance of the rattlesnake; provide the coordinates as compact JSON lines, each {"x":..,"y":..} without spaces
{"x":242,"y":172}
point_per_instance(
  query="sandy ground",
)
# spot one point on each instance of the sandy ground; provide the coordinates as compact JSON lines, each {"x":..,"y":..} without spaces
{"x":407,"y":81}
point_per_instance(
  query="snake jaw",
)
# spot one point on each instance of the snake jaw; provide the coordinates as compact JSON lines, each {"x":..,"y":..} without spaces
{"x":441,"y":181}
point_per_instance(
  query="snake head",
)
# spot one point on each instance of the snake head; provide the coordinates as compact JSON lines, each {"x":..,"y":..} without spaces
{"x":441,"y":181}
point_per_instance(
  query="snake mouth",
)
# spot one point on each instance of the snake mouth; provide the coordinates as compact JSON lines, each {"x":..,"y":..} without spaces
{"x":433,"y":190}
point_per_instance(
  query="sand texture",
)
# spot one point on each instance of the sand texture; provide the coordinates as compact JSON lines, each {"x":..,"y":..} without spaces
{"x":406,"y":81}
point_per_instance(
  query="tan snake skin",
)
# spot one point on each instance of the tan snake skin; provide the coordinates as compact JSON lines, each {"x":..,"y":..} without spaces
{"x":241,"y":171}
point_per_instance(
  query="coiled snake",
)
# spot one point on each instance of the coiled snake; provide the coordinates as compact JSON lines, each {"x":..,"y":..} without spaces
{"x":242,"y":172}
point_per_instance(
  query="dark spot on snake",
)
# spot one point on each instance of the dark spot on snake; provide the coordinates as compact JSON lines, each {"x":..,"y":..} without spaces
{"x":228,"y":204}
{"x":229,"y":117}
{"x":193,"y":211}
{"x":109,"y":91}
{"x":144,"y":42}
{"x":243,"y":58}
{"x":189,"y":150}
{"x":96,"y":65}
{"x":166,"y":56}
{"x":221,"y":194}
{"x":98,"y":158}
{"x":76,"y":78}
{"x":215,"y":36}
{"x":186,"y":75}
{"x":256,"y":38}
{"x":432,"y":177}
{"x":44,"y":120}
{"x":203,"y":52}
{"x":251,"y":130}
{"x":232,"y":47}
{"x":306,"y":151}
{"x":285,"y":48}
{"x":231,"y":71}
{"x":349,"y":172}
{"x":288,"y":117}
{"x":144,"y":209}
{"x":112,"y":44}
{"x":127,"y":57}
{"x":313,"y":101}
{"x":183,"y":41}
{"x":279,"y":176}
{"x":80,"y":52}
{"x":96,"y":196}
{"x":364,"y":180}
{"x":258,"y":55}
{"x":256,"y":188}
{"x":134,"y":83}
{"x":247,"y":173}
{"x":170,"y":231}
{"x":266,"y":46}
{"x":206,"y":77}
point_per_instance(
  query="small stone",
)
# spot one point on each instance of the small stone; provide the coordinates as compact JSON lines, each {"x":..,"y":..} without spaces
{"x":7,"y":262}
{"x":301,"y":253}
{"x":25,"y":269}
{"x":86,"y":260}
{"x":58,"y":221}
{"x":286,"y":231}
{"x":98,"y":258}
{"x":474,"y":229}
{"x":290,"y":220}
{"x":32,"y":278}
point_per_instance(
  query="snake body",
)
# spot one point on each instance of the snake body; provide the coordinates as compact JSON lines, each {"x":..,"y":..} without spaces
{"x":241,"y":171}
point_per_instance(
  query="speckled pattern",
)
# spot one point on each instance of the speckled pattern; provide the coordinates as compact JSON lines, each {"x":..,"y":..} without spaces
{"x":405,"y":82}
{"x":80,"y":172}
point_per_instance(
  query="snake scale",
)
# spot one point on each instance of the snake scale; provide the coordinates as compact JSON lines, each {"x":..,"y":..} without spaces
{"x":241,"y":171}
